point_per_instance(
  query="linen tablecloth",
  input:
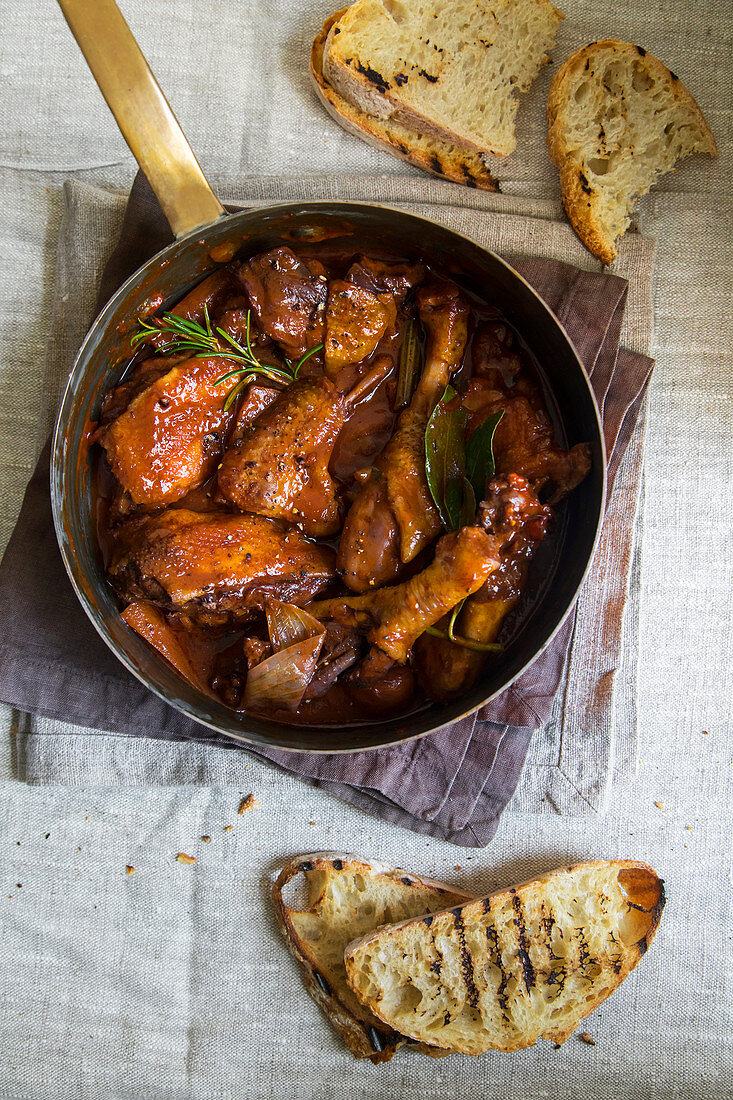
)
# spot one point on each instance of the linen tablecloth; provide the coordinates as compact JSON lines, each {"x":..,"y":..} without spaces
{"x":171,"y":983}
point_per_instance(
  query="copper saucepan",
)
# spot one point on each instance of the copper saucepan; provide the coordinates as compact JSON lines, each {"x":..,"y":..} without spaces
{"x":205,"y":237}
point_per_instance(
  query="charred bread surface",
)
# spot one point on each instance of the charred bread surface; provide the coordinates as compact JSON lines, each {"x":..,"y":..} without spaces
{"x":525,"y":963}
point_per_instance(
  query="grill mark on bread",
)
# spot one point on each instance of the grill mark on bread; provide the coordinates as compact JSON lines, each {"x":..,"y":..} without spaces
{"x":437,"y":964}
{"x":338,"y":864}
{"x":586,"y":959}
{"x":376,"y":1038}
{"x":466,"y":959}
{"x":470,"y":181}
{"x":523,"y":945}
{"x":493,"y":938}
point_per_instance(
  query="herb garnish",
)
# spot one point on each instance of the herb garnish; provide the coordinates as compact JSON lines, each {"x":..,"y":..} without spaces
{"x":445,"y":459}
{"x":480,"y":462}
{"x":457,"y":473}
{"x":201,"y":341}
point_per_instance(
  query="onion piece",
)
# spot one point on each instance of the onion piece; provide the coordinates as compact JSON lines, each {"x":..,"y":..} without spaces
{"x":288,"y":624}
{"x":279,"y":682}
{"x":151,"y":624}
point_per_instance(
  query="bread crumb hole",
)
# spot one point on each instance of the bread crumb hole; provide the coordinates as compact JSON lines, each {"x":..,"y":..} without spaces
{"x":409,"y":999}
{"x":396,"y":10}
{"x":598,"y":165}
{"x":641,"y":81}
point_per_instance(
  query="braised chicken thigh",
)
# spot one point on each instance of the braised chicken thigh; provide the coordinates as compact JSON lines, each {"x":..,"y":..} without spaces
{"x":214,"y":565}
{"x":322,"y":482}
{"x":170,"y":436}
{"x":279,"y":466}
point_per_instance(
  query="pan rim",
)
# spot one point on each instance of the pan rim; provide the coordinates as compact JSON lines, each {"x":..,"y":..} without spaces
{"x":101,"y":322}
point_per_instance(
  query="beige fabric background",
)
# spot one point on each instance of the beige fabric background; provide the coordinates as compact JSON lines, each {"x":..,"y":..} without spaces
{"x":172,"y":982}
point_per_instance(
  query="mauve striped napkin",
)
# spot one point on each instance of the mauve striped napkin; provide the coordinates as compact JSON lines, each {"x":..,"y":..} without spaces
{"x":453,"y":784}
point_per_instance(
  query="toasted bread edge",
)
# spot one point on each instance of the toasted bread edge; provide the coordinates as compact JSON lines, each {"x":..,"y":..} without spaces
{"x":577,"y":195}
{"x":452,"y":164}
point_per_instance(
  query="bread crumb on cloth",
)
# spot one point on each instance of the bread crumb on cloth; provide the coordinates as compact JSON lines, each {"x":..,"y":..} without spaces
{"x":248,"y":803}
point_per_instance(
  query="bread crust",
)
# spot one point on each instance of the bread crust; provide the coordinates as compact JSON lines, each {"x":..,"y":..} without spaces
{"x":579,"y":197}
{"x":364,"y":1034}
{"x":642,"y":887}
{"x":445,"y":161}
{"x":362,"y":88}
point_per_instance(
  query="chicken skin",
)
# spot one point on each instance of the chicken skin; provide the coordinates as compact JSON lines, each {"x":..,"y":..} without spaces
{"x":217,"y":567}
{"x":397,"y":499}
{"x":514,"y":516}
{"x":279,"y":466}
{"x":394,"y":618}
{"x":170,"y":437}
{"x":288,"y":296}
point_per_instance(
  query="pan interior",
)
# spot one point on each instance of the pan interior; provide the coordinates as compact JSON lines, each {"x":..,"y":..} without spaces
{"x":164,"y":280}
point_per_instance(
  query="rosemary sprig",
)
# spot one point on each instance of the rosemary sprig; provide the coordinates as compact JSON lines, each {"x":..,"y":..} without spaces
{"x":199,"y":341}
{"x":307,"y":355}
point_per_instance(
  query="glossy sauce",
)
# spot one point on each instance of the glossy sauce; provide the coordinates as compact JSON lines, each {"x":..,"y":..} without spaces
{"x":219,"y":652}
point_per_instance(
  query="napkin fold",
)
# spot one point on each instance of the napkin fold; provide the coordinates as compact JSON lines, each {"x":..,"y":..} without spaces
{"x":453,"y":784}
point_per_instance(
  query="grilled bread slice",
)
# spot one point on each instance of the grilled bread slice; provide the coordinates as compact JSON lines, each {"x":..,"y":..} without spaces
{"x":501,"y":972}
{"x":617,"y":120}
{"x":439,"y":158}
{"x":447,"y":70}
{"x":348,"y":897}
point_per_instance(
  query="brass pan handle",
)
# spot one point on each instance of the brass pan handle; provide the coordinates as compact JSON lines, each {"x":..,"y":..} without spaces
{"x":143,"y":114}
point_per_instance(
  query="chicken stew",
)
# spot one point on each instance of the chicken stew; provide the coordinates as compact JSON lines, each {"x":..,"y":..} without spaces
{"x":321,"y":484}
